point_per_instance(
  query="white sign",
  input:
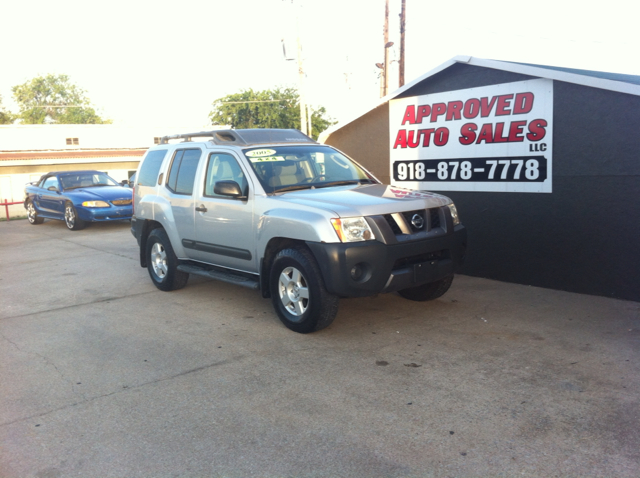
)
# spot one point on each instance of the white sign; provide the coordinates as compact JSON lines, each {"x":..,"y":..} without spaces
{"x":494,"y":138}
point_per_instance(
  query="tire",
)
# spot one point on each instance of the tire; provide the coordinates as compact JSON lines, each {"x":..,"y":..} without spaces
{"x":32,"y":214}
{"x":430,"y":291}
{"x":162,"y":262}
{"x":71,"y":219}
{"x":298,"y":293}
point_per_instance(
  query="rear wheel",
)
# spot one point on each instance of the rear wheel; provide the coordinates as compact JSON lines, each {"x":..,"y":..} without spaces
{"x":32,"y":214}
{"x":429,"y":291}
{"x":71,"y":219}
{"x":298,"y":294}
{"x":162,"y":262}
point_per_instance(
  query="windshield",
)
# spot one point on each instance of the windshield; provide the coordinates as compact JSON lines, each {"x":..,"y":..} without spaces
{"x":287,"y":168}
{"x":86,"y":179}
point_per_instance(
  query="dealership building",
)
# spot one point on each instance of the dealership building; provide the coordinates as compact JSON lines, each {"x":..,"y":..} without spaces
{"x":542,"y":162}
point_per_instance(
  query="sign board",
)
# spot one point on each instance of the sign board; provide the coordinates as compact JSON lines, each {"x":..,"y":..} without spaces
{"x":496,"y":138}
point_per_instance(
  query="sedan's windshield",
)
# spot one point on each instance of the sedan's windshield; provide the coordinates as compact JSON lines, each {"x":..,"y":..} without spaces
{"x":86,"y":179}
{"x":287,"y":168}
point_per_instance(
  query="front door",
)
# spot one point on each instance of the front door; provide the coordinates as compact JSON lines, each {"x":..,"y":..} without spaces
{"x":224,"y":226}
{"x":51,"y":201}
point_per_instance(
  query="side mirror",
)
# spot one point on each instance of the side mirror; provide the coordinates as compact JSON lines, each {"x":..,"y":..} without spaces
{"x":125,"y":182}
{"x":228,"y":188}
{"x":53,"y":188}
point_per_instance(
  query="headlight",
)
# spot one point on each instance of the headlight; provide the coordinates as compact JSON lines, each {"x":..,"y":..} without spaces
{"x":454,"y":214}
{"x":352,"y":229}
{"x":95,"y":204}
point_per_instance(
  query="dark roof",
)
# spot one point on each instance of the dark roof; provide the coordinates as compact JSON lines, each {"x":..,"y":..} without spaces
{"x":633,"y":79}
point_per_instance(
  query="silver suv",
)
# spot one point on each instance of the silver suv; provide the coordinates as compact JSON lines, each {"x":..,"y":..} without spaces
{"x":274,"y":210}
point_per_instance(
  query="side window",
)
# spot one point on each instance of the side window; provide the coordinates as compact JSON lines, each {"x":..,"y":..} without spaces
{"x":223,"y":167}
{"x":52,"y":181}
{"x":182,"y":174}
{"x":151,"y":167}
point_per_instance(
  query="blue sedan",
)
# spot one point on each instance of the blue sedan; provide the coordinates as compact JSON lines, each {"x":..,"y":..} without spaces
{"x":77,"y":197}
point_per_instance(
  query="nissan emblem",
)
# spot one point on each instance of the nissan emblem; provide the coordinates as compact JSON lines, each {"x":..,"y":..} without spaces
{"x":417,"y":221}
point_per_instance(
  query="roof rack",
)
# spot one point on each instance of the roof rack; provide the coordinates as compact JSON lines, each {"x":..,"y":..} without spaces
{"x":245,"y":137}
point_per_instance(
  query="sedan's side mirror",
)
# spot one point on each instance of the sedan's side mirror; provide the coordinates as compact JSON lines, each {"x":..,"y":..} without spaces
{"x":228,"y":188}
{"x":53,"y":188}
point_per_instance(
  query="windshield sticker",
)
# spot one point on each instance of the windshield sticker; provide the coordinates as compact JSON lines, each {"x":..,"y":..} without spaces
{"x":257,"y":153}
{"x":267,"y":159}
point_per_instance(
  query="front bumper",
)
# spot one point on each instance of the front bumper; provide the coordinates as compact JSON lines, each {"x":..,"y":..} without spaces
{"x":113,"y":213}
{"x":368,"y":268}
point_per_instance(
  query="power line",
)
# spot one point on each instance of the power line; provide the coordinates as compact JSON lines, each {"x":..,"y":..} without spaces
{"x":250,"y":101}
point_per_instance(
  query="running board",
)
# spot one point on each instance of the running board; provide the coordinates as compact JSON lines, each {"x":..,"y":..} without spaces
{"x":230,"y":277}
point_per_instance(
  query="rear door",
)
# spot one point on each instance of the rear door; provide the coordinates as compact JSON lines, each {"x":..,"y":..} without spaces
{"x":180,"y":184}
{"x":224,"y":226}
{"x":149,"y":179}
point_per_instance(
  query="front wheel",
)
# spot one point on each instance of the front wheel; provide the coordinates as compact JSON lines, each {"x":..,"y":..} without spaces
{"x":298,"y":294}
{"x":71,"y":219}
{"x":32,"y":214}
{"x":429,"y":291}
{"x":162,"y":262}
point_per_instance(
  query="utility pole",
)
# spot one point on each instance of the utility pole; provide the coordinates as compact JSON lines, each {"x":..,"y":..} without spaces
{"x":305,"y":120}
{"x":385,"y":70}
{"x":403,"y":19}
{"x":303,"y":106}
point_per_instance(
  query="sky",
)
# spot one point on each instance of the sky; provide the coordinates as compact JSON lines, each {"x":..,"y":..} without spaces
{"x":165,"y":62}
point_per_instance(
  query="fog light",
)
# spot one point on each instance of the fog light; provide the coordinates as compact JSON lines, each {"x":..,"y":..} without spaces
{"x":357,"y":272}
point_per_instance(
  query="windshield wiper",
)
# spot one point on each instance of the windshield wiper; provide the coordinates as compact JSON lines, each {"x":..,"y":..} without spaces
{"x":343,"y":183}
{"x":295,"y":187}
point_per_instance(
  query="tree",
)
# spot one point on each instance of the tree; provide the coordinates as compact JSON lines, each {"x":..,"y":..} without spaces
{"x":277,"y":108}
{"x":54,"y":99}
{"x":5,"y":116}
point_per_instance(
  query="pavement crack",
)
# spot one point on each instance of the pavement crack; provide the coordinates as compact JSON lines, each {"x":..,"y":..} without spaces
{"x":98,"y":301}
{"x":43,"y":358}
{"x":11,"y":342}
{"x":94,"y":248}
{"x":116,"y":392}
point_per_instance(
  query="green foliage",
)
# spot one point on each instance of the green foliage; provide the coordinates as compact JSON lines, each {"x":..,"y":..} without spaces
{"x":277,"y":108}
{"x":5,"y":116}
{"x":54,"y":99}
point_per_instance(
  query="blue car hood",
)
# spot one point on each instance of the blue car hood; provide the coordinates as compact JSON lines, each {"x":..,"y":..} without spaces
{"x":104,"y":193}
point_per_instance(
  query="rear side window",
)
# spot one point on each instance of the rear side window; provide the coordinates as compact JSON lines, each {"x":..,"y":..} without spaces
{"x":183,"y":171}
{"x":151,"y":167}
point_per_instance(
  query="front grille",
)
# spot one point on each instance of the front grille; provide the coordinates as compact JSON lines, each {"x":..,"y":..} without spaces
{"x":393,"y":224}
{"x":414,"y":222}
{"x":434,"y":214}
{"x":121,"y":202}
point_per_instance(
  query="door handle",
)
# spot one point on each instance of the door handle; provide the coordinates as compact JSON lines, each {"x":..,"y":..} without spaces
{"x":201,"y":208}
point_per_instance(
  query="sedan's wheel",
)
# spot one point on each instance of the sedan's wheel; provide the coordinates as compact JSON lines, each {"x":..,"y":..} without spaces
{"x":298,"y":293}
{"x":32,"y":214}
{"x":429,"y":291}
{"x":162,"y":262}
{"x":71,"y":218}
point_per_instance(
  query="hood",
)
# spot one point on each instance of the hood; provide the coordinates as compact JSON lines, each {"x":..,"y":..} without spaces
{"x":104,"y":193}
{"x":365,"y":200}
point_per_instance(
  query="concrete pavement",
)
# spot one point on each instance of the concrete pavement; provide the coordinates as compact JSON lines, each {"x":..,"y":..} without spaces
{"x":102,"y":375}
